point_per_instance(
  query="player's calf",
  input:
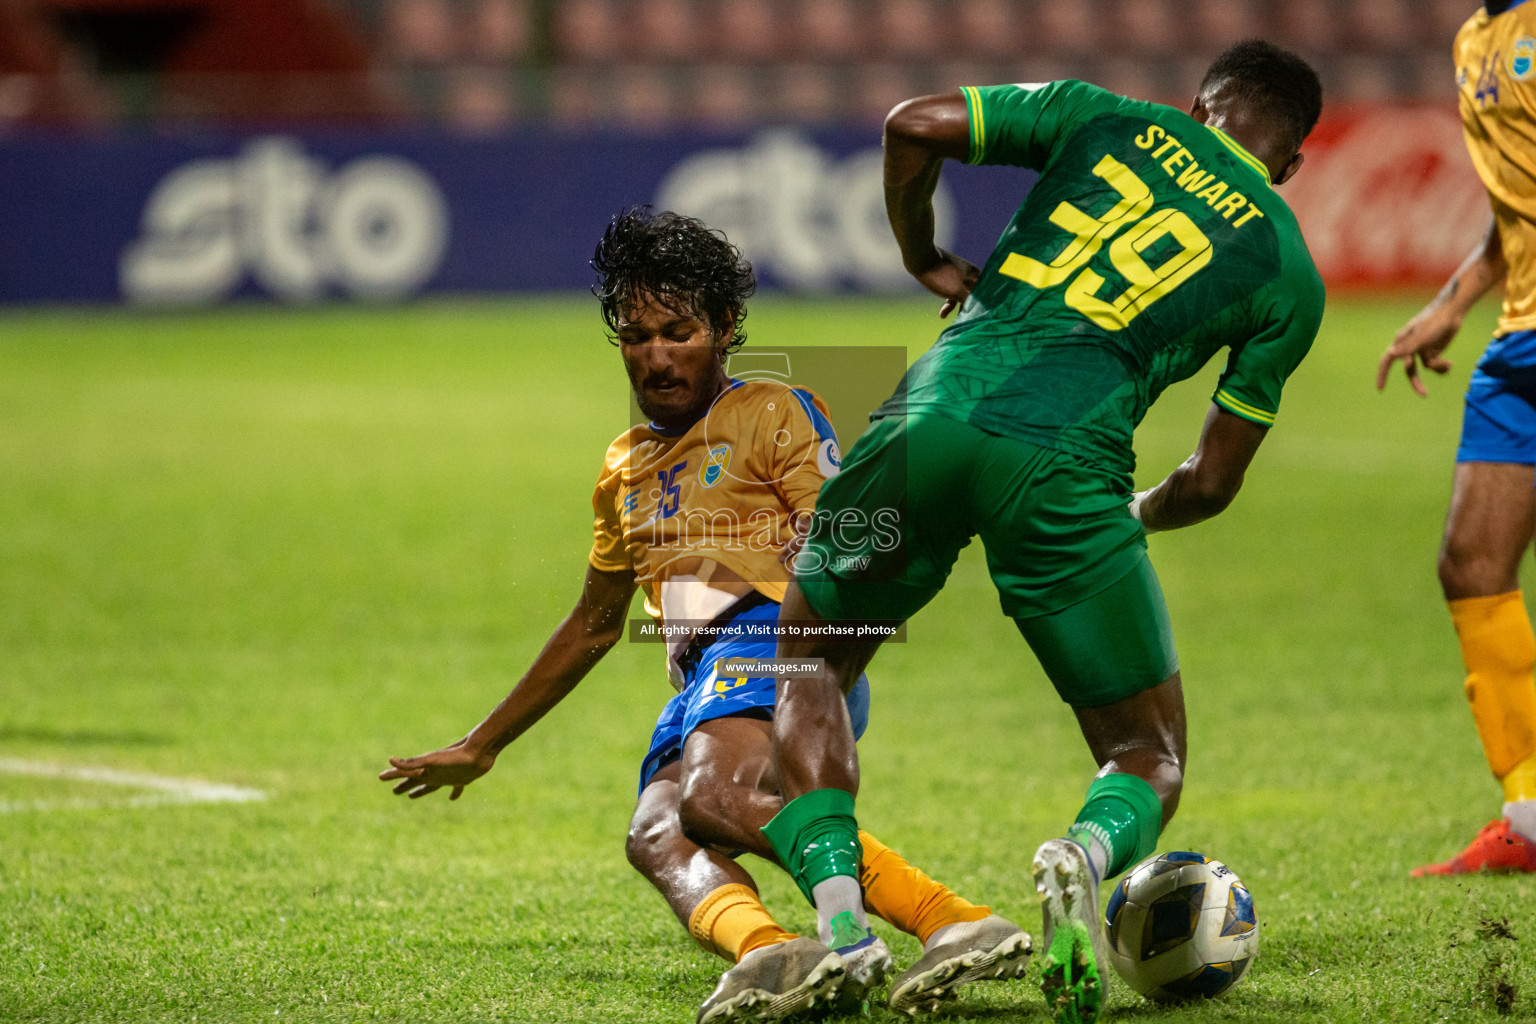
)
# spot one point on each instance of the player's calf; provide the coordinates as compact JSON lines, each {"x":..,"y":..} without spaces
{"x":655,"y":839}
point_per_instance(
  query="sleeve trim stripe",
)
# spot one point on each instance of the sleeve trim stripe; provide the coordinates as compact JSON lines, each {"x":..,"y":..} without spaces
{"x":978,"y":127}
{"x":821,"y":423}
{"x":1244,"y":410}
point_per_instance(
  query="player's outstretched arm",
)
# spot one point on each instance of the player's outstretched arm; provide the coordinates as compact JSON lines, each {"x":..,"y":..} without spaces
{"x":1208,"y":480}
{"x":919,"y":135}
{"x":594,"y":626}
{"x":1430,"y":332}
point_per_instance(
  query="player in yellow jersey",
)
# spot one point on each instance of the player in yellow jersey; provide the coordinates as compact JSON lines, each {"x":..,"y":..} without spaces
{"x":696,"y":508}
{"x":1493,"y":501}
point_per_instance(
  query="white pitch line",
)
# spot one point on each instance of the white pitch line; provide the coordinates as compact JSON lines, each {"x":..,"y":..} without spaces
{"x":166,"y":790}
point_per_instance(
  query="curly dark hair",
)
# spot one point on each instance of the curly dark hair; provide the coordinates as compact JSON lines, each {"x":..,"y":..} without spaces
{"x":1278,"y":83}
{"x":686,"y":266}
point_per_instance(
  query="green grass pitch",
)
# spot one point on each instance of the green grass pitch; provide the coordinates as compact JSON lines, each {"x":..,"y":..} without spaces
{"x":266,"y":549}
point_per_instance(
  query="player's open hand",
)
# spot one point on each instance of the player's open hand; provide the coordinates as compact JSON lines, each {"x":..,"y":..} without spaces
{"x":951,"y":278}
{"x":455,"y":766}
{"x":1420,"y":342}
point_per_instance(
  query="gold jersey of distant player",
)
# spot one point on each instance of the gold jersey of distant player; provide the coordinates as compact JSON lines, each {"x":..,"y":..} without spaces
{"x":701,"y":516}
{"x":1496,"y":78}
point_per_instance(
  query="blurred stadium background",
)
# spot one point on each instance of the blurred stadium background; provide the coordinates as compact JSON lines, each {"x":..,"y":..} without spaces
{"x":486,"y":65}
{"x":189,"y":151}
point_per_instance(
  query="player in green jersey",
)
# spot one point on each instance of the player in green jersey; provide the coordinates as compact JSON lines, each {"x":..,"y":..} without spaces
{"x":1152,"y":239}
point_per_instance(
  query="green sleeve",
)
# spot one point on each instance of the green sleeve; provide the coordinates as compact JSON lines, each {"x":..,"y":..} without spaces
{"x":1257,"y":369}
{"x":1021,"y":125}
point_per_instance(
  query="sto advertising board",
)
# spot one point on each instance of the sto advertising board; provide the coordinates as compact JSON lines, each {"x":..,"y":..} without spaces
{"x":1387,"y":197}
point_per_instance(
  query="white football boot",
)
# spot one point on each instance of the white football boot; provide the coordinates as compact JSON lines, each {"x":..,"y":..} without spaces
{"x":1074,"y":970}
{"x":775,"y":982}
{"x":866,"y":958}
{"x":991,"y":949}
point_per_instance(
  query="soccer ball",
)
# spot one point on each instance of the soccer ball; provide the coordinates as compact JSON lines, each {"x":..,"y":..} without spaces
{"x":1181,"y":926}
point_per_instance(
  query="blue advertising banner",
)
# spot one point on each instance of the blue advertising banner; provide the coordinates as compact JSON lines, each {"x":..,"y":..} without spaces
{"x":200,"y":219}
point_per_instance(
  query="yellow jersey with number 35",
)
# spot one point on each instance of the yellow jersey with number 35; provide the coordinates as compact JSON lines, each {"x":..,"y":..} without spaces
{"x":1496,"y":81}
{"x":701,"y":515}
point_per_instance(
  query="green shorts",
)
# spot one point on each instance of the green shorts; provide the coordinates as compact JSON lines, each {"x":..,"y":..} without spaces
{"x":914,"y":490}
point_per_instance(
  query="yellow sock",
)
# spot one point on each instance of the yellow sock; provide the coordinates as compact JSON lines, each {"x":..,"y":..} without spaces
{"x":1499,"y":650}
{"x":1520,"y":783}
{"x":897,"y":892}
{"x":732,"y":922}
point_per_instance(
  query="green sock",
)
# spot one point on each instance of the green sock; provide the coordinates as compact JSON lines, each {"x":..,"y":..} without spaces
{"x":1124,"y":814}
{"x":816,"y":838}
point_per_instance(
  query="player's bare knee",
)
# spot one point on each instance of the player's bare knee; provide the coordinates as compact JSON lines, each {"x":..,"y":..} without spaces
{"x":639,"y":845}
{"x":1465,"y":570}
{"x":1453,"y":567}
{"x":652,"y":832}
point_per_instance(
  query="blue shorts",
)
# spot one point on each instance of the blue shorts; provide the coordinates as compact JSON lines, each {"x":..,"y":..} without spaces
{"x":706,"y":697}
{"x":1499,"y":423}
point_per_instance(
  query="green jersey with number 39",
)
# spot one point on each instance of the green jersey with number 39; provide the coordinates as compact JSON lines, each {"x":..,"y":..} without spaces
{"x":1149,"y":242}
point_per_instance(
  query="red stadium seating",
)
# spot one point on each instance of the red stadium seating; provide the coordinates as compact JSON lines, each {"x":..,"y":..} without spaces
{"x":482,"y":64}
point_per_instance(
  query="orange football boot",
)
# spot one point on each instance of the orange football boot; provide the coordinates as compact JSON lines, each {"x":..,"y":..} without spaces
{"x":1498,"y":849}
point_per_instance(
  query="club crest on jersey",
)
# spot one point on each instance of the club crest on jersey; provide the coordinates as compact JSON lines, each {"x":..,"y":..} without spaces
{"x":829,"y":459}
{"x":1522,"y":58}
{"x":715,"y":464}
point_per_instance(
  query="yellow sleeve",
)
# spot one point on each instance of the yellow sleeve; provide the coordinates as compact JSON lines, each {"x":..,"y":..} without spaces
{"x":609,"y":552}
